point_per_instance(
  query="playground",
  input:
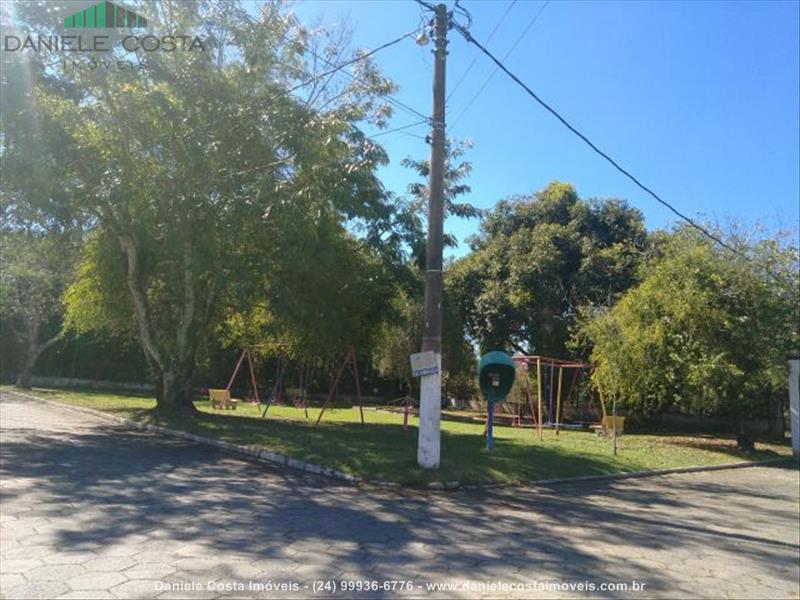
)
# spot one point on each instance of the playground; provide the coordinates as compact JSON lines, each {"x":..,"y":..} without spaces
{"x":381,"y":449}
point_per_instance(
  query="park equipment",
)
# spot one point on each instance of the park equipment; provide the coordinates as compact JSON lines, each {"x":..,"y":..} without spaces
{"x":252,"y":395}
{"x":276,"y":393}
{"x":548,"y":384}
{"x":278,"y":390}
{"x":349,"y":359}
{"x":301,"y":399}
{"x":407,"y":405}
{"x":495,"y":377}
{"x":221,"y":399}
{"x":610,"y":425}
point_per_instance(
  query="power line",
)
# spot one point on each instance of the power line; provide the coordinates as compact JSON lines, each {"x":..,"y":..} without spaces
{"x":427,"y":5}
{"x":505,"y":56}
{"x":409,"y":126}
{"x":488,"y":39}
{"x":391,"y":99}
{"x":414,"y":135}
{"x":340,"y":68}
{"x":352,"y":61}
{"x":551,"y":110}
{"x":464,"y":12}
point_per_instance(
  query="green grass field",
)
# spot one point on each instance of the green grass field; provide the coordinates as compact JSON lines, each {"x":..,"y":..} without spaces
{"x":381,"y":450}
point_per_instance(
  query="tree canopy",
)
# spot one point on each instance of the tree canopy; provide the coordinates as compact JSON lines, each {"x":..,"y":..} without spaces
{"x":207,"y":183}
{"x":226,"y":195}
{"x":538,"y":259}
{"x":703,"y":332}
{"x":37,"y":267}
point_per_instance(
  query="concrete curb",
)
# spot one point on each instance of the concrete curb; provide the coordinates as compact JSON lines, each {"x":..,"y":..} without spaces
{"x":267,"y":456}
{"x":251,"y":452}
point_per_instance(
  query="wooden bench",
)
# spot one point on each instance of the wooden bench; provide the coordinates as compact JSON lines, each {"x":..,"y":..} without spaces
{"x":221,"y":399}
{"x":606,"y":427}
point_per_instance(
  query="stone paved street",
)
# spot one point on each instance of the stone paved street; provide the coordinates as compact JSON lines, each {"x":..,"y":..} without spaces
{"x":91,"y":510}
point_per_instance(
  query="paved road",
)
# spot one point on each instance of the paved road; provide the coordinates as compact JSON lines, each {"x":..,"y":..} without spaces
{"x":91,"y":510}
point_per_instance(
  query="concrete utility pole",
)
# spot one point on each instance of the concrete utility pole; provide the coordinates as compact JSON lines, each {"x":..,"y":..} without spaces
{"x":430,"y":406}
{"x":794,"y":404}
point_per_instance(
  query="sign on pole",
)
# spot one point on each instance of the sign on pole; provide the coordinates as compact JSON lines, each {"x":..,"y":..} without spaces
{"x":424,"y":363}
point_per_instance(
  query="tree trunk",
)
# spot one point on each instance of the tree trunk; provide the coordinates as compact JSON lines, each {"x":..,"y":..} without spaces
{"x":34,"y":352}
{"x":743,"y":432}
{"x":173,"y":370}
{"x":174,"y":392}
{"x":24,"y":376}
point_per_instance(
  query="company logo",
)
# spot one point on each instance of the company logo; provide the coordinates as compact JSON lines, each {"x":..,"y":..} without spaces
{"x":104,"y":14}
{"x":85,"y":48}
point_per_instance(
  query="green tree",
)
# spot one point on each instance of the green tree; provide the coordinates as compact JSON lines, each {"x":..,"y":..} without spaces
{"x":400,"y":335}
{"x":537,"y":260}
{"x":330,"y":295}
{"x":456,"y":172}
{"x":36,"y":270}
{"x":703,"y":333}
{"x":200,"y":171}
{"x":401,"y":331}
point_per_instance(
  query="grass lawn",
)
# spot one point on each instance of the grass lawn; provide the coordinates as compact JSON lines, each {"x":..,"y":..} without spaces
{"x":381,"y":450}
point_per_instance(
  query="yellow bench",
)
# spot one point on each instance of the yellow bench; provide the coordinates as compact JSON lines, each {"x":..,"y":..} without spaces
{"x":608,"y":425}
{"x":221,"y":399}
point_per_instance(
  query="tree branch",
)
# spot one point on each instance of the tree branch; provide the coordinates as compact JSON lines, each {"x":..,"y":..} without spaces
{"x":187,"y":319}
{"x":134,"y":277}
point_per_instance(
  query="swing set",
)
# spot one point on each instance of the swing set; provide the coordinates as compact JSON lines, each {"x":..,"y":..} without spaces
{"x":349,"y":359}
{"x":252,"y":394}
{"x":278,"y":390}
{"x":546,"y":412}
{"x":221,"y":398}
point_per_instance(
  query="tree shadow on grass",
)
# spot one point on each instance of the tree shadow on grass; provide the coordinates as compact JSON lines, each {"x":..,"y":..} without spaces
{"x":104,"y":487}
{"x":730,"y":449}
{"x":384,"y":451}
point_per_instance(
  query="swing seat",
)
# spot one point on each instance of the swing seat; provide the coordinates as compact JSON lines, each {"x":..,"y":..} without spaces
{"x":221,"y":399}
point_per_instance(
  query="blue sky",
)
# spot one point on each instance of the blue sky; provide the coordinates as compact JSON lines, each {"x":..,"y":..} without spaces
{"x":698,"y":99}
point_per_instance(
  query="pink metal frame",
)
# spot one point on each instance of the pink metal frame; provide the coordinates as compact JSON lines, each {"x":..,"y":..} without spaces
{"x":350,"y":358}
{"x":246,"y":354}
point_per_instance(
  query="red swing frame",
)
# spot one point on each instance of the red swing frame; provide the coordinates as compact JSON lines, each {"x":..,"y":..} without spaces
{"x":246,"y":353}
{"x":350,"y":358}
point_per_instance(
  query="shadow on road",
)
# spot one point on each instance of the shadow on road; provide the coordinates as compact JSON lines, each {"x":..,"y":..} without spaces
{"x":166,"y":496}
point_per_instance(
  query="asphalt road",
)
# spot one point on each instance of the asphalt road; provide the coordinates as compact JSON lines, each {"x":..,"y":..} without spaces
{"x":92,"y":510}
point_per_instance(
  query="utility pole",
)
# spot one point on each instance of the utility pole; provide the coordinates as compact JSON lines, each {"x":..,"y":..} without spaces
{"x":430,"y":406}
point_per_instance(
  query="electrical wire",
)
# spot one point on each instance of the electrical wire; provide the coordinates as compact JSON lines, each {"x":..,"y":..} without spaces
{"x":340,"y":68}
{"x":352,"y":61}
{"x":409,"y":126}
{"x":464,"y":12}
{"x":467,"y":36}
{"x":475,"y":59}
{"x":505,"y":56}
{"x":391,"y":99}
{"x":427,"y":5}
